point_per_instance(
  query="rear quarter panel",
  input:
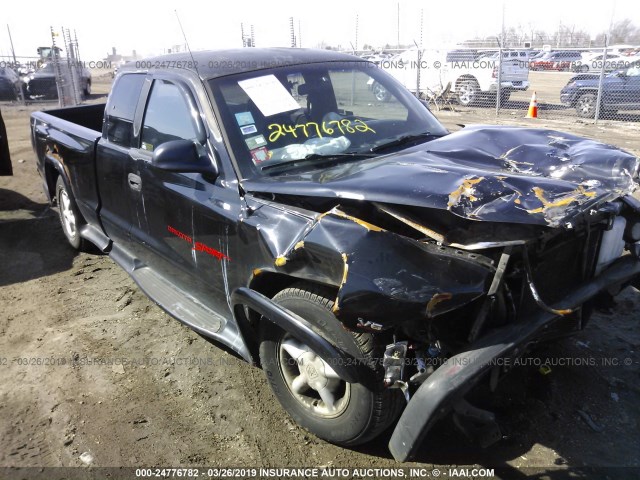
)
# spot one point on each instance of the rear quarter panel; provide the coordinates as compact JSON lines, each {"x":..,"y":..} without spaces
{"x":67,"y":149}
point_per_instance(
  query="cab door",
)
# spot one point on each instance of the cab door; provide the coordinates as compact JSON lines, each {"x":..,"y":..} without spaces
{"x":173,"y":201}
{"x":115,"y":162}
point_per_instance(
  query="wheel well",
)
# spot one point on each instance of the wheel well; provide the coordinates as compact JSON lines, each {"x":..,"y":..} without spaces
{"x":583,"y":92}
{"x":464,"y":78}
{"x":270,"y":283}
{"x":51,"y":175}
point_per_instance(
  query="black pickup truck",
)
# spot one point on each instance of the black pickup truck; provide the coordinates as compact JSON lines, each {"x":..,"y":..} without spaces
{"x":371,"y":262}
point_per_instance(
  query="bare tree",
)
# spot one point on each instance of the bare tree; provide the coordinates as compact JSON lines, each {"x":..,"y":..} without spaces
{"x":623,"y":31}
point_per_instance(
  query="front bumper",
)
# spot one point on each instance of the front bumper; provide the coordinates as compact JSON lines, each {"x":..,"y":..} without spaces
{"x":568,"y":97}
{"x":449,"y":383}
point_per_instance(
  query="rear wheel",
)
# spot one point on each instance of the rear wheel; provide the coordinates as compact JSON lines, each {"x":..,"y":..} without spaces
{"x":70,"y":217}
{"x":468,"y":91}
{"x":310,"y":390}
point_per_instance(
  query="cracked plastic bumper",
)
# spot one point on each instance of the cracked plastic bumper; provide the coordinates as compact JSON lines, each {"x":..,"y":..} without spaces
{"x":460,"y":373}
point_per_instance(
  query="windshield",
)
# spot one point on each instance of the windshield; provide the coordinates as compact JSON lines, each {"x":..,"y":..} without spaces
{"x":306,"y":115}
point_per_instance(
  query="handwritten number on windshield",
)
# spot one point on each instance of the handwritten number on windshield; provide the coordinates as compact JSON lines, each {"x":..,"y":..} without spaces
{"x":315,"y":129}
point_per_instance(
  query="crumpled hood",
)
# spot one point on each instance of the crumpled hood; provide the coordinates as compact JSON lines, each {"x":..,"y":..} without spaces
{"x":490,"y":173}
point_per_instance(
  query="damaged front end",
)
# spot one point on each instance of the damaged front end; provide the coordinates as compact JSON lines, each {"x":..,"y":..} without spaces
{"x":457,"y":266}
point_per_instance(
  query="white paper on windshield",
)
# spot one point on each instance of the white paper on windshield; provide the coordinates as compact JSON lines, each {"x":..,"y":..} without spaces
{"x":269,"y":95}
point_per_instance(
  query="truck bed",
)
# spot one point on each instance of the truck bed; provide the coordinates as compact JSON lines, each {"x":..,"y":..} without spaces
{"x":88,"y":116}
{"x":65,"y":140}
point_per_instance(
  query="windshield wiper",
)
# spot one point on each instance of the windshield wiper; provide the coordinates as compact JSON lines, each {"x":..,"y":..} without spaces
{"x":402,"y":140}
{"x":313,"y":158}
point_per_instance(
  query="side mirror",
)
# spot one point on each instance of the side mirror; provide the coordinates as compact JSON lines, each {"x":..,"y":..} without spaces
{"x":184,"y":156}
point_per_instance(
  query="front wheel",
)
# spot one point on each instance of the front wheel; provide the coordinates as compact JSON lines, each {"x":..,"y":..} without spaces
{"x":381,"y":93}
{"x":70,"y":217}
{"x":586,"y":105}
{"x":310,"y":390}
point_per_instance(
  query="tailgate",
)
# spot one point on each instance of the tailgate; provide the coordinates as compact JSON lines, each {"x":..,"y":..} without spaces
{"x":515,"y":70}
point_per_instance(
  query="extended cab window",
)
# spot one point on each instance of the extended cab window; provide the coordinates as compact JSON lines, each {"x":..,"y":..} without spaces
{"x":122,"y":107}
{"x":168,"y":116}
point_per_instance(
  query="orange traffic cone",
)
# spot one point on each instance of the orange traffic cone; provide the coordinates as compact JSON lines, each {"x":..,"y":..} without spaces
{"x":533,"y":107}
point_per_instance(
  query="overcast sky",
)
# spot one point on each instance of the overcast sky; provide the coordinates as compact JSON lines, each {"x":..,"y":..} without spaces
{"x":151,"y":27}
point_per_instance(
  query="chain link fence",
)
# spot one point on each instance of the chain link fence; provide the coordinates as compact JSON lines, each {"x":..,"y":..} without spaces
{"x":57,"y":74}
{"x":591,"y":84}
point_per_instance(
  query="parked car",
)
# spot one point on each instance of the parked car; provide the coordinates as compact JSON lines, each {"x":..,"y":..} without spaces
{"x":10,"y":84}
{"x":471,"y":78}
{"x":43,"y":81}
{"x":591,"y":62}
{"x":620,"y":91}
{"x":556,"y":60}
{"x":369,"y":261}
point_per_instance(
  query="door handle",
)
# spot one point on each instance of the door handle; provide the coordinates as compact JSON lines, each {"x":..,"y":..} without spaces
{"x":135,"y":182}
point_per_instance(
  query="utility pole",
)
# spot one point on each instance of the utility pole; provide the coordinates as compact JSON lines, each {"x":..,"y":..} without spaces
{"x":13,"y":52}
{"x":398,"y":44}
{"x":248,"y":39}
{"x":356,"y":47}
{"x":293,"y":33}
{"x":15,"y":63}
{"x":421,"y":26}
{"x":504,"y":44}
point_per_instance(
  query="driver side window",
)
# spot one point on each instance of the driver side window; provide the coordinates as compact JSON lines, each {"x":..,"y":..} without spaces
{"x":167,"y":117}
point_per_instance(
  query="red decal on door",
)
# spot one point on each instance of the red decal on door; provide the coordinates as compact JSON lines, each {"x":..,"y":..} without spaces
{"x":179,"y":234}
{"x":198,"y":246}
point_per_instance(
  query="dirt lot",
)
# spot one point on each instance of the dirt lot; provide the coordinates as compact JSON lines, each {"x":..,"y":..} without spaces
{"x":180,"y":401}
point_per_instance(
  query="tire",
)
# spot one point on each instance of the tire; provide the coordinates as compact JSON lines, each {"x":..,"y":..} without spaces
{"x":70,"y":218}
{"x":586,"y":105}
{"x":504,"y":98}
{"x":467,"y":92}
{"x":359,"y":412}
{"x":87,"y":90}
{"x":381,"y":93}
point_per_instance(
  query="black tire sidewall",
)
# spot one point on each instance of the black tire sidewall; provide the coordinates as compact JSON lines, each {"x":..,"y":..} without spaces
{"x":353,"y":423}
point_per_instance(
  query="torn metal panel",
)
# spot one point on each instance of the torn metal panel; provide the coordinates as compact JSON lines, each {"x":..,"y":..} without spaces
{"x":379,"y":273}
{"x":489,"y":173}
